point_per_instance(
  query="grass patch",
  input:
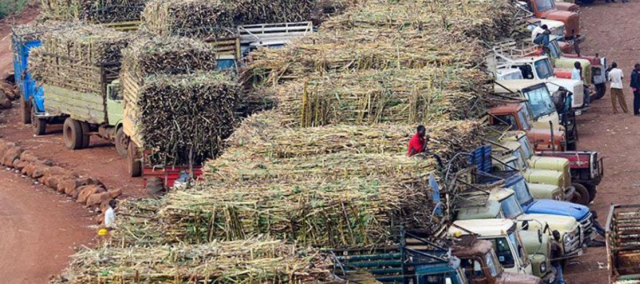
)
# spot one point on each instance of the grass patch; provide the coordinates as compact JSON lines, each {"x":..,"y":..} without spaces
{"x":9,"y":7}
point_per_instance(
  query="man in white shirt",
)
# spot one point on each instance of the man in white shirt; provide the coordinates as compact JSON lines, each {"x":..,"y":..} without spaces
{"x":615,"y":77}
{"x":110,"y":215}
{"x":540,"y":35}
{"x":576,"y":74}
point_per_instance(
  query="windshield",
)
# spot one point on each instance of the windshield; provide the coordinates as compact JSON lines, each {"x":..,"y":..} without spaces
{"x":525,"y":118}
{"x":544,"y":69}
{"x":526,"y":148}
{"x":503,"y":251}
{"x":555,"y":49}
{"x":544,"y":5}
{"x":522,"y":192}
{"x":513,"y":165}
{"x":490,"y":258}
{"x":510,"y":207}
{"x":540,"y":100}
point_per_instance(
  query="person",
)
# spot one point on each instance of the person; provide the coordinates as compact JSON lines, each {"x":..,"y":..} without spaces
{"x":110,"y":215}
{"x":615,"y":77}
{"x":635,"y":88}
{"x":556,"y":256}
{"x":418,"y":143}
{"x":540,"y":36}
{"x":576,"y":74}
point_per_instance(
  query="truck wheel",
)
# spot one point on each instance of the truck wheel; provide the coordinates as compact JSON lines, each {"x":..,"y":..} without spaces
{"x":601,"y":89}
{"x":133,"y":162}
{"x":38,"y":125}
{"x":592,"y":192}
{"x":122,"y":142}
{"x":86,"y":136}
{"x":72,"y":134}
{"x":25,"y":111}
{"x":581,"y":196}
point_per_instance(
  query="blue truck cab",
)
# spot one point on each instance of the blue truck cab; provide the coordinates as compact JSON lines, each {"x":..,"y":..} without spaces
{"x":530,"y":205}
{"x":32,"y":96}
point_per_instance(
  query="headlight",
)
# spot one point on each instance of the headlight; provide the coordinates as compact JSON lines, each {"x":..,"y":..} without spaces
{"x":543,"y":267}
{"x":567,"y":240}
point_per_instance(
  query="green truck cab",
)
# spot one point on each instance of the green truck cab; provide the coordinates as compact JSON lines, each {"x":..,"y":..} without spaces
{"x":538,"y":247}
{"x":545,"y":183}
{"x":503,"y":203}
{"x":509,"y":245}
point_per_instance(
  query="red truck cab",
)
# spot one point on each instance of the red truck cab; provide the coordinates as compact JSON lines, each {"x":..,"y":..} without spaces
{"x":515,"y":117}
{"x":547,"y":9}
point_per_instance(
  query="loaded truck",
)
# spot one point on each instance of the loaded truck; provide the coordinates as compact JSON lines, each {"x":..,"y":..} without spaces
{"x":511,"y":245}
{"x":623,"y":243}
{"x":586,"y":167}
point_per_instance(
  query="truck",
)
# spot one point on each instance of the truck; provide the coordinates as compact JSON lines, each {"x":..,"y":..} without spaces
{"x":475,"y":200}
{"x":509,"y":245}
{"x":547,"y":9}
{"x":534,"y":66}
{"x":531,"y":205}
{"x":623,"y":249}
{"x":31,"y":96}
{"x":275,"y":35}
{"x":586,"y":167}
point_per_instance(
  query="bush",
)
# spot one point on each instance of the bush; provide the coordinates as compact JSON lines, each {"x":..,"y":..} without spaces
{"x":8,"y":7}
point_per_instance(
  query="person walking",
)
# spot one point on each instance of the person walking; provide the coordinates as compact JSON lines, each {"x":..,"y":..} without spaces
{"x":617,"y":94}
{"x":635,"y":88}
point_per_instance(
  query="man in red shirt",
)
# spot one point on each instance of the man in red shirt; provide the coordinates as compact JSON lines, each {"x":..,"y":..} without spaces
{"x":418,"y":142}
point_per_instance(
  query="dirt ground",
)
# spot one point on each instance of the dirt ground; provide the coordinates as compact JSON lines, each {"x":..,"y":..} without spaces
{"x":611,"y":32}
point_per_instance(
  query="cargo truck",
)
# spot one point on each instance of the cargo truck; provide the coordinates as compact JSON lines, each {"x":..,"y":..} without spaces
{"x":523,"y":252}
{"x":623,"y":243}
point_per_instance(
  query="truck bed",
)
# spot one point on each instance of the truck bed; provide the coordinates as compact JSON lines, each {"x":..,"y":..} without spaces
{"x":89,"y":107}
{"x":623,"y":243}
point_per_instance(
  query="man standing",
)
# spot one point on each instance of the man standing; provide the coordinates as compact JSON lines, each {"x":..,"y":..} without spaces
{"x":418,"y":143}
{"x":576,"y":74}
{"x":556,"y":256}
{"x":615,"y":77}
{"x":635,"y":88}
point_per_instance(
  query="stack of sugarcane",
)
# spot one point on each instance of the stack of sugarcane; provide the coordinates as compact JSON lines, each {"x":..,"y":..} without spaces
{"x":93,"y":11}
{"x":175,"y":103}
{"x":343,"y":212}
{"x":256,"y":260}
{"x":72,"y":57}
{"x":35,"y":30}
{"x":218,"y":18}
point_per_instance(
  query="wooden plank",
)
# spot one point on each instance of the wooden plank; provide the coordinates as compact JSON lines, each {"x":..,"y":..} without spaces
{"x":89,"y":107}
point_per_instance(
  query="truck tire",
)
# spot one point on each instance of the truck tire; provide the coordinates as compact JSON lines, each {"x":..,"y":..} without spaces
{"x":593,"y":191}
{"x":133,"y":162}
{"x":581,"y":196}
{"x":86,"y":136}
{"x":25,"y":111}
{"x":122,"y":143}
{"x":38,"y":125}
{"x":155,"y":187}
{"x":601,"y":89}
{"x":72,"y":134}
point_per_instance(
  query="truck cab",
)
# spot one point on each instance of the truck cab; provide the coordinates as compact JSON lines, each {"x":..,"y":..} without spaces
{"x":584,"y":167}
{"x":516,"y":116}
{"x":503,"y":203}
{"x":481,"y":265}
{"x":547,"y":9}
{"x":539,"y":100}
{"x":544,"y":183}
{"x":509,"y":246}
{"x":274,"y":36}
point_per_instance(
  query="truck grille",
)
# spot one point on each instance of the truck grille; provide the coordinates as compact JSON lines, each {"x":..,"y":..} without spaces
{"x":574,"y":242}
{"x":587,"y":224}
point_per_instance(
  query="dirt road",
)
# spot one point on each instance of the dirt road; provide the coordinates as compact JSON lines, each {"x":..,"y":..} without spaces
{"x":612,"y":32}
{"x":39,"y":230}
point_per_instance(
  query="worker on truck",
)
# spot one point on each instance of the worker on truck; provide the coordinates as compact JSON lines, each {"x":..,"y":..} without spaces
{"x":418,"y":144}
{"x":540,"y":36}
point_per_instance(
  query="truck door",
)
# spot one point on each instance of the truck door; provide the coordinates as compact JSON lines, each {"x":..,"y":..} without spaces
{"x":115,"y":104}
{"x":474,"y":270}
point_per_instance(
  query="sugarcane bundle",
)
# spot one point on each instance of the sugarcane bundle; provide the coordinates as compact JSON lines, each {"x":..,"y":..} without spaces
{"x":394,"y":96}
{"x":34,"y":30}
{"x":182,"y":119}
{"x":486,"y":20}
{"x":345,"y":213}
{"x":256,"y":260}
{"x":90,"y":44}
{"x":93,"y":11}
{"x":356,"y":50}
{"x":166,"y":55}
{"x":137,"y":224}
{"x":206,"y":19}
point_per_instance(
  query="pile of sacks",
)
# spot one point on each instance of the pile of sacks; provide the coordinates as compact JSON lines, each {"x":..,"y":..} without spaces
{"x":86,"y":190}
